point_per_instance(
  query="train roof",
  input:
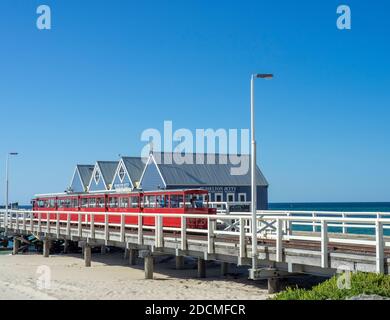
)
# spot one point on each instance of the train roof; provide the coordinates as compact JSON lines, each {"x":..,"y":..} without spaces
{"x":65,"y":194}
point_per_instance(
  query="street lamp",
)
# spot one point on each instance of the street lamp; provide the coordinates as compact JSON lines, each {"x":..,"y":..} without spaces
{"x":6,"y":187}
{"x":253,"y":169}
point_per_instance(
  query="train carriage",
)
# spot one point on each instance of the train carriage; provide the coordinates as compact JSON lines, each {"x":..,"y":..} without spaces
{"x":192,"y":201}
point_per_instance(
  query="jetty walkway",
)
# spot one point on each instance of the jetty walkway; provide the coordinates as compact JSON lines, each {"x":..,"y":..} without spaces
{"x":288,"y":242}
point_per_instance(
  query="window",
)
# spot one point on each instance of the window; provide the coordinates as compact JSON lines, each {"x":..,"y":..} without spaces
{"x":123,"y":202}
{"x":51,"y":203}
{"x":176,"y":201}
{"x":242,"y":197}
{"x":134,"y":202}
{"x":149,"y":201}
{"x":74,"y":203}
{"x":230,"y":197}
{"x":92,"y":203}
{"x":121,"y":173}
{"x":100,"y":203}
{"x":218,"y":197}
{"x":84,"y":203}
{"x":113,"y":202}
{"x":97,"y":176}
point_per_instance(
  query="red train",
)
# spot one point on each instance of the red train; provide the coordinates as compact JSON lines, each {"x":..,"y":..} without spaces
{"x":191,"y":201}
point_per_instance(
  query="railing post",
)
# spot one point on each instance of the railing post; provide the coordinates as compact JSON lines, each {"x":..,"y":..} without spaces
{"x":106,"y":228}
{"x":210,"y":235}
{"x":17,"y":220}
{"x":140,"y":230}
{"x":58,"y":225}
{"x":242,"y":238}
{"x":289,"y":224}
{"x":32,"y":221}
{"x":79,"y":225}
{"x":158,"y":231}
{"x":24,"y":221}
{"x":92,"y":226}
{"x":279,"y":240}
{"x":183,"y":233}
{"x":324,"y":244}
{"x":39,"y":222}
{"x":380,"y":266}
{"x":344,"y":229}
{"x":68,"y":224}
{"x":122,"y":227}
{"x":48,"y":222}
{"x":314,"y":224}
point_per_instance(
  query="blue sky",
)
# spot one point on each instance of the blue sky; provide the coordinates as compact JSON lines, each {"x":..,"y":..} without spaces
{"x":85,"y":90}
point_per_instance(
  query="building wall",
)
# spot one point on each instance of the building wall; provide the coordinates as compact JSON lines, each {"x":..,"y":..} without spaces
{"x":97,"y":186}
{"x":262,"y":193}
{"x":118,"y":184}
{"x":152,"y":179}
{"x":77,"y":185}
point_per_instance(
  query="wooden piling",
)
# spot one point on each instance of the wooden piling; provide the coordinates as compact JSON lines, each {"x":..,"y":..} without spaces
{"x":273,"y":285}
{"x":16,"y":246}
{"x":148,"y":261}
{"x":179,"y":262}
{"x":46,"y":248}
{"x":87,"y":255}
{"x":133,"y":253}
{"x":224,"y":268}
{"x":201,"y":268}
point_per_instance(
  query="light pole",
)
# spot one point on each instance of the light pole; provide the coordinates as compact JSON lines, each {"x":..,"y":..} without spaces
{"x":253,"y":168}
{"x":6,"y":187}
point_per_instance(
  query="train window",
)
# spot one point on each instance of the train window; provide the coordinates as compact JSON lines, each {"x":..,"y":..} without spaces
{"x":74,"y":203}
{"x":177,"y":201}
{"x":92,"y":203}
{"x":162,"y":201}
{"x":193,"y":201}
{"x":51,"y":203}
{"x":149,"y":201}
{"x":134,"y":201}
{"x":100,"y":203}
{"x":41,"y":203}
{"x":123,"y":202}
{"x":84,"y":202}
{"x":113,"y":202}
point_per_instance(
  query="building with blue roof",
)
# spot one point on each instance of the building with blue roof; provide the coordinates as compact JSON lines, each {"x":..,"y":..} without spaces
{"x":128,"y":173}
{"x":81,"y":178}
{"x":215,"y":175}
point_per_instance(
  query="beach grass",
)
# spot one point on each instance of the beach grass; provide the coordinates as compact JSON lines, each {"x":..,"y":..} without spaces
{"x":360,"y":283}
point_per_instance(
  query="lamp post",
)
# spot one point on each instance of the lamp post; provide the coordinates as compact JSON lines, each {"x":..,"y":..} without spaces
{"x":253,"y":168}
{"x":6,"y":187}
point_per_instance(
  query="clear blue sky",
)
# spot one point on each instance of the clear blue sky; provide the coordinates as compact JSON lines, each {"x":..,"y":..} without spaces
{"x":85,"y":90}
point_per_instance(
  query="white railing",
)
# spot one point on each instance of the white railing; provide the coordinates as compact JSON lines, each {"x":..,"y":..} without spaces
{"x":64,"y":223}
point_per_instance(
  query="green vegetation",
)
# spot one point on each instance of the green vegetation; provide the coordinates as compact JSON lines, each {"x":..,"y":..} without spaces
{"x":361,"y":283}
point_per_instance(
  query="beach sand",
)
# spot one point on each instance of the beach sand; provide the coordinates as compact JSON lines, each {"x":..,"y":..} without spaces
{"x":110,"y":278}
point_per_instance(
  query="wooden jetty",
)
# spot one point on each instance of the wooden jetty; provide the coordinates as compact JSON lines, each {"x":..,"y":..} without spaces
{"x":282,"y":249}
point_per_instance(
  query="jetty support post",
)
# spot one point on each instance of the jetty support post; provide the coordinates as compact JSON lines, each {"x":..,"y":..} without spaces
{"x":87,"y":255}
{"x":179,"y":260}
{"x":16,"y":246}
{"x":46,"y":247}
{"x":224,"y":268}
{"x":126,"y":254}
{"x":273,"y":285}
{"x":103,"y":249}
{"x":201,"y":268}
{"x":66,"y":246}
{"x":133,"y":253}
{"x":148,"y":263}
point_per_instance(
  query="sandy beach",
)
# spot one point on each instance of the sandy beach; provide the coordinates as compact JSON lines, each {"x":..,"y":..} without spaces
{"x":110,"y":278}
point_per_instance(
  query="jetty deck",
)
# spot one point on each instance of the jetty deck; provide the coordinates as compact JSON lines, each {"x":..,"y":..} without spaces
{"x":288,"y":242}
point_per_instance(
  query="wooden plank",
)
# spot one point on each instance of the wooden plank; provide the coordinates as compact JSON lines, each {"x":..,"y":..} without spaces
{"x":279,"y":241}
{"x":380,"y":262}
